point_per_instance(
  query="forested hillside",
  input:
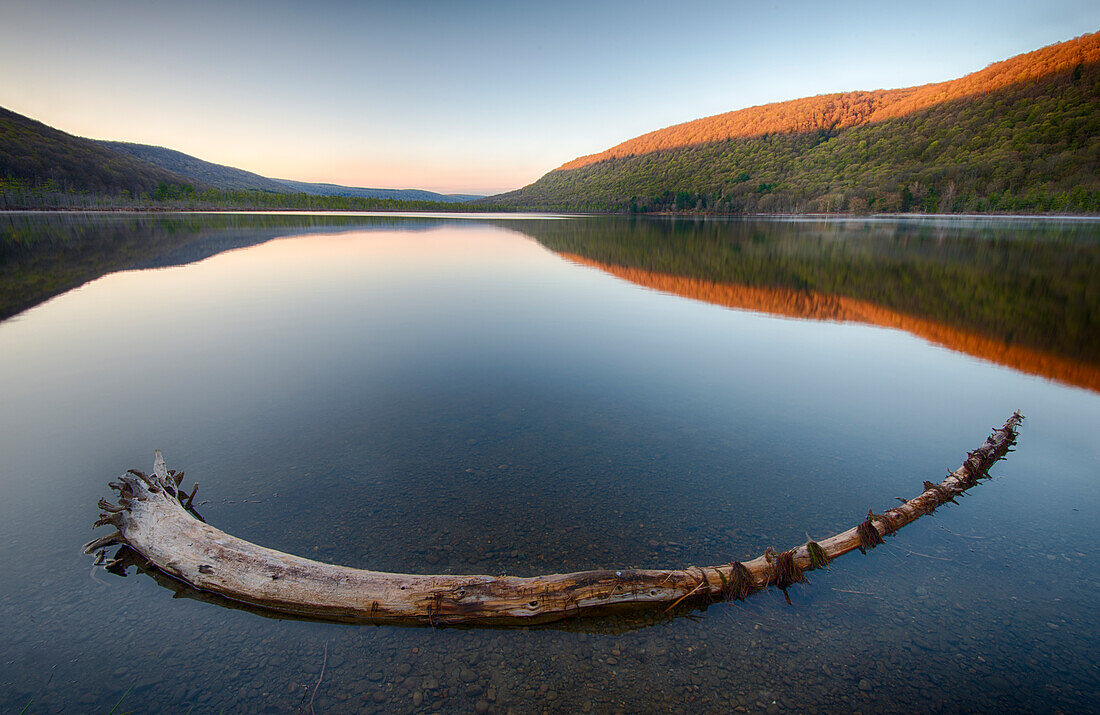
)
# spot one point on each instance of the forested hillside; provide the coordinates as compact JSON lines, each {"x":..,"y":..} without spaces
{"x":34,"y":156}
{"x":231,"y":179}
{"x":1020,"y":135}
{"x":42,"y":167}
{"x":318,"y":189}
{"x":194,"y":169}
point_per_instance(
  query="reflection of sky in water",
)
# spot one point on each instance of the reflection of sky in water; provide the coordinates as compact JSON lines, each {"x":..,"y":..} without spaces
{"x":460,"y":400}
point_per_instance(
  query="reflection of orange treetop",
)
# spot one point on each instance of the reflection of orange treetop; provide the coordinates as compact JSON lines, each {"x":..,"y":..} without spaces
{"x":836,"y":111}
{"x":822,"y":306}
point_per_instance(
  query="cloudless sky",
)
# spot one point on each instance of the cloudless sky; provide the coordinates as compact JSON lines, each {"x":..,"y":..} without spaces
{"x":470,"y":96}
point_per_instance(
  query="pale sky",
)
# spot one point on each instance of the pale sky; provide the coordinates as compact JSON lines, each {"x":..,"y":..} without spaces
{"x":476,"y":97}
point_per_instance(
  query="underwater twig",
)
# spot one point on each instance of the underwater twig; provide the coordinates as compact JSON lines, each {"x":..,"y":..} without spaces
{"x":861,"y":593}
{"x":322,"y":675}
{"x":937,"y":558}
{"x":681,"y":598}
{"x":115,"y":708}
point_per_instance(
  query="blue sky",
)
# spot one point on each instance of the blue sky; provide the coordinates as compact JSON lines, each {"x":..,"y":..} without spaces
{"x":475,"y":96}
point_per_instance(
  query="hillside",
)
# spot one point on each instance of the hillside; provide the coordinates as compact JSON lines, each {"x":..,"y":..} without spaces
{"x":36,"y":155}
{"x":313,"y":189}
{"x":227,"y":177}
{"x":43,"y":167}
{"x":194,"y":169}
{"x":1023,"y":134}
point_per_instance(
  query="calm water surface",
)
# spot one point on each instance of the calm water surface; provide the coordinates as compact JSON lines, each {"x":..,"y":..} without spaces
{"x":490,"y":396}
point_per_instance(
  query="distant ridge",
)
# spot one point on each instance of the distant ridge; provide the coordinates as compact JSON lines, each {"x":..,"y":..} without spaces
{"x":227,"y":177}
{"x":1022,"y":134}
{"x":401,"y":194}
{"x":194,"y":169}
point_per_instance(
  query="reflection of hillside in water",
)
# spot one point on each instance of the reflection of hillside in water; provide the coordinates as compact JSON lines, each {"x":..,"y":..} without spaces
{"x":817,"y":306}
{"x":46,"y":254}
{"x":1021,"y":293}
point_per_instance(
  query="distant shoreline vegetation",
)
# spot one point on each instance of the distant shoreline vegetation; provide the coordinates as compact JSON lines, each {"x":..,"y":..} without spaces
{"x":17,"y":194}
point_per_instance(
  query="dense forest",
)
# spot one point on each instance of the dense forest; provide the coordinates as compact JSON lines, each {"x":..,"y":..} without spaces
{"x":1020,"y":136}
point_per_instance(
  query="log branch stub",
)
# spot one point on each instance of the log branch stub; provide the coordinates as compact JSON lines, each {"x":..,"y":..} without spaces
{"x":156,"y":520}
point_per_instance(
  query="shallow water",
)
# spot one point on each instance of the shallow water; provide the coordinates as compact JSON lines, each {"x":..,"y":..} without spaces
{"x":454,"y":396}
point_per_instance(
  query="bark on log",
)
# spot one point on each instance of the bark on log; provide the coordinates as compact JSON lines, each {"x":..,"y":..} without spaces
{"x":154,"y":518}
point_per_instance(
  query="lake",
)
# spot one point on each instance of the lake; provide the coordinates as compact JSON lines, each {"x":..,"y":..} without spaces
{"x":533,"y":394}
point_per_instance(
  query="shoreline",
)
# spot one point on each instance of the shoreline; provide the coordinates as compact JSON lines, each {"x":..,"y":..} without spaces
{"x":471,"y":212}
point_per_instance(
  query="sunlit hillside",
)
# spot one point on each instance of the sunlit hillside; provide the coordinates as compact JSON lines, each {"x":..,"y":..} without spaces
{"x":1023,"y":134}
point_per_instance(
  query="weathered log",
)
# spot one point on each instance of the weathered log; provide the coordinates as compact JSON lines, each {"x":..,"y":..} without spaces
{"x":153,"y":520}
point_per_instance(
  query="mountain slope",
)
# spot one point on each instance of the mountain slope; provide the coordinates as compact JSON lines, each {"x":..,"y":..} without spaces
{"x":1023,"y":134}
{"x":306,"y":187}
{"x":205,"y":172}
{"x":38,"y":161}
{"x":227,"y":177}
{"x":37,"y":155}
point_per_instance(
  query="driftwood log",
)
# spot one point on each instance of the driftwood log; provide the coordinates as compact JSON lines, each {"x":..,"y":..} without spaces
{"x":154,"y":518}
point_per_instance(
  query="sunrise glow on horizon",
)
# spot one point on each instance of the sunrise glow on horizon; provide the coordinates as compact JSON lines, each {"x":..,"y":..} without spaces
{"x":468,"y":98}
